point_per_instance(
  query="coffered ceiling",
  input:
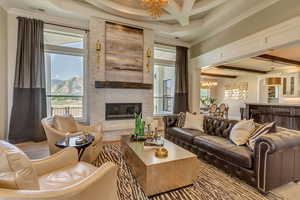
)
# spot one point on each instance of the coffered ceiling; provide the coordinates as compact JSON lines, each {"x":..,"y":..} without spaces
{"x":187,"y":20}
{"x":285,"y":60}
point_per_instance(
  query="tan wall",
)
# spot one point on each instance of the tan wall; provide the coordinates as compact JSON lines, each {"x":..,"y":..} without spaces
{"x":12,"y":39}
{"x":275,"y":14}
{"x":3,"y":73}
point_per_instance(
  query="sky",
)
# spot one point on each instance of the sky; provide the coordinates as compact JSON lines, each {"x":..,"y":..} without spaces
{"x":65,"y":67}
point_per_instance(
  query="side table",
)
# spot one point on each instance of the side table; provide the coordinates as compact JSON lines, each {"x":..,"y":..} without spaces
{"x":72,"y":143}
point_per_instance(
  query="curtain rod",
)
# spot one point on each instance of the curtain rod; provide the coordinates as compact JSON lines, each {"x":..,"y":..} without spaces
{"x":82,"y":29}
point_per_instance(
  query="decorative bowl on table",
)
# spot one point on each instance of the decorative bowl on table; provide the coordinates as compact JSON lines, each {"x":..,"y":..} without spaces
{"x":161,"y":152}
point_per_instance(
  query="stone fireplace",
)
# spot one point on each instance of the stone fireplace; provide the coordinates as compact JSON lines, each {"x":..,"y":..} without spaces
{"x":100,"y":96}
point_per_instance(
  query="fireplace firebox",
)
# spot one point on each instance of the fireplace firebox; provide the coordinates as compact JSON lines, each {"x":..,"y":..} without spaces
{"x":119,"y":111}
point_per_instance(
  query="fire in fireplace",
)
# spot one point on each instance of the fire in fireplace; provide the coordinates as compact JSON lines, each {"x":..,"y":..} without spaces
{"x":118,"y":111}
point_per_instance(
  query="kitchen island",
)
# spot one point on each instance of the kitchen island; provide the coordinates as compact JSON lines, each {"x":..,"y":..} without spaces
{"x":286,"y":115}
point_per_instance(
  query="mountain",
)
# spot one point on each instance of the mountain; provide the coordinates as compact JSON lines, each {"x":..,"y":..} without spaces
{"x":73,"y":86}
{"x":56,"y":81}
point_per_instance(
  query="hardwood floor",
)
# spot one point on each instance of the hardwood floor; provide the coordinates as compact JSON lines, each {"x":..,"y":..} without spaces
{"x":38,"y":150}
{"x":35,"y":150}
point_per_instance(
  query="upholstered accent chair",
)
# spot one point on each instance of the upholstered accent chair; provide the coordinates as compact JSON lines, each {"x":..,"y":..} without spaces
{"x":58,"y":177}
{"x":53,"y":135}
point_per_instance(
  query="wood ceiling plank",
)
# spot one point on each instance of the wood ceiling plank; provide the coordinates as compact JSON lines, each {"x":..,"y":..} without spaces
{"x":217,"y":75}
{"x":277,"y":59}
{"x":241,"y":69}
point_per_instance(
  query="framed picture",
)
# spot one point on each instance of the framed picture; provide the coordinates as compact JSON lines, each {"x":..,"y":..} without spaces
{"x":124,"y":53}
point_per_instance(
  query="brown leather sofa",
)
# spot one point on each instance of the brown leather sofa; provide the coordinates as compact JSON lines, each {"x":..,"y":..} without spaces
{"x":274,"y":162}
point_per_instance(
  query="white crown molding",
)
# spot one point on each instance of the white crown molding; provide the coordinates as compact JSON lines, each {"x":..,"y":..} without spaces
{"x":167,"y":40}
{"x":119,"y":9}
{"x":49,"y":18}
{"x":236,"y":20}
{"x":278,"y":36}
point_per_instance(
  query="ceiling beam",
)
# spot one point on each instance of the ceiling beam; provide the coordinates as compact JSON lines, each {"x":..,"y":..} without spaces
{"x":217,"y":75}
{"x":276,"y":59}
{"x":241,"y":69}
{"x":175,"y":10}
{"x":206,"y":5}
{"x":187,"y":6}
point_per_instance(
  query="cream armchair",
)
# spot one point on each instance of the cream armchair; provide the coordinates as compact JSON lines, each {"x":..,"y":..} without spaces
{"x":58,"y":177}
{"x":53,"y":135}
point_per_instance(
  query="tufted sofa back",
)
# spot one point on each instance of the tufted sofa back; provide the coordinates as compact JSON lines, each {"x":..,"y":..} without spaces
{"x":218,"y":126}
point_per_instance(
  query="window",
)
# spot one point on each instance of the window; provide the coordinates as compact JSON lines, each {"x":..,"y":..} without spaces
{"x":204,"y":93}
{"x":65,"y":58}
{"x":164,"y":79}
{"x":238,"y":91}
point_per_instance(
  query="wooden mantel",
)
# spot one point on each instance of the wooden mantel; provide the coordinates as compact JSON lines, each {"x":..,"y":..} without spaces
{"x":122,"y":85}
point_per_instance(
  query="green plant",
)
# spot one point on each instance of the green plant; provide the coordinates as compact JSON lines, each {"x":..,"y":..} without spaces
{"x":207,"y":101}
{"x":139,"y":125}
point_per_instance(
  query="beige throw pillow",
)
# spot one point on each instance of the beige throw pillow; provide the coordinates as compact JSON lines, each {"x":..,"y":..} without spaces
{"x":65,"y":123}
{"x":193,"y":121}
{"x":262,"y":130}
{"x":16,"y":170}
{"x":241,"y":132}
{"x":181,"y":120}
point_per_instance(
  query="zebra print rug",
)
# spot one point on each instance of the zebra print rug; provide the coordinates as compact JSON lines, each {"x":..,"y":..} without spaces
{"x":211,"y":184}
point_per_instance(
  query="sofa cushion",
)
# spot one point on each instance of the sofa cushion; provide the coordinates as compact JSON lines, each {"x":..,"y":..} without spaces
{"x":66,"y":176}
{"x":193,"y":121}
{"x":225,"y":149}
{"x":264,"y":129}
{"x":181,"y":119}
{"x":183,"y":133}
{"x":16,"y":170}
{"x":241,"y":132}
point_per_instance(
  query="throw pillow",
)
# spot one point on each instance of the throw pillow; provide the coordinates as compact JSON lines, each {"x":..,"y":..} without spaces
{"x":16,"y":170}
{"x":65,"y":123}
{"x":181,"y":120}
{"x":193,"y":121}
{"x":242,"y":131}
{"x":263,"y":130}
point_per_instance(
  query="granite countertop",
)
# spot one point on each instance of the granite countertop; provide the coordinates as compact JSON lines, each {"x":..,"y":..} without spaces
{"x":273,"y":104}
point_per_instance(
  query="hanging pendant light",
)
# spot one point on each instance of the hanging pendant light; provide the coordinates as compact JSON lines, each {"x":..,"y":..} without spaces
{"x":273,"y":81}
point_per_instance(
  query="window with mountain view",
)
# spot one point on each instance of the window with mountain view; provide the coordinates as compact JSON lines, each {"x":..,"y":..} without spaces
{"x":164,"y":79}
{"x":65,"y":67}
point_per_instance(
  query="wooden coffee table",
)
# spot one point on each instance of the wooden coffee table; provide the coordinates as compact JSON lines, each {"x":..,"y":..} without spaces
{"x":159,"y":175}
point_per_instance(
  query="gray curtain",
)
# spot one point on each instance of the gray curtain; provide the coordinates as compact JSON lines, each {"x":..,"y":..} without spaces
{"x":29,"y":100}
{"x":181,"y":81}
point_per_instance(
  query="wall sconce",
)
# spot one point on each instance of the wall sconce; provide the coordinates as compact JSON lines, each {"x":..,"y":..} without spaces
{"x":98,"y":52}
{"x":149,"y":55}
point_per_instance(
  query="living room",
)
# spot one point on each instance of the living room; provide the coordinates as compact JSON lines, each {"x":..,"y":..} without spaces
{"x":149,"y":99}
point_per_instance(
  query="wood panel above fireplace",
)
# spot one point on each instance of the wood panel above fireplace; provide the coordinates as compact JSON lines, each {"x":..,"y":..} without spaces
{"x":122,"y":85}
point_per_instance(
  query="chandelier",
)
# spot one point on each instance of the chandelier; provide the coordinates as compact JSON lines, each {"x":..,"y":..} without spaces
{"x":209,"y":84}
{"x":155,"y":7}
